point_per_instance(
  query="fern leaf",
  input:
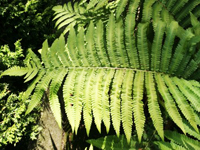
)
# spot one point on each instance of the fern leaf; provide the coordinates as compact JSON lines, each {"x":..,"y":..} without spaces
{"x":69,"y":7}
{"x":108,"y":76}
{"x":167,"y":47}
{"x":180,"y":51}
{"x":55,"y":61}
{"x":31,"y":87}
{"x":169,"y":102}
{"x":182,"y":140}
{"x":101,"y":4}
{"x":110,"y":38}
{"x":72,"y":24}
{"x":192,"y":95}
{"x":73,"y":53}
{"x":186,"y":9}
{"x":60,"y":14}
{"x":62,"y":54}
{"x":92,"y":3}
{"x":68,"y":93}
{"x":77,"y":97}
{"x":34,"y":71}
{"x":130,"y":39}
{"x":39,"y":91}
{"x":113,"y":142}
{"x":87,"y":99}
{"x":138,"y":90}
{"x":121,"y":53}
{"x":157,"y":8}
{"x":97,"y":100}
{"x":159,"y":28}
{"x":93,"y":58}
{"x":190,"y":130}
{"x":81,"y":47}
{"x":45,"y":60}
{"x":115,"y":100}
{"x":67,"y":22}
{"x":126,"y":104}
{"x":191,"y":68}
{"x":153,"y":105}
{"x":53,"y":98}
{"x":164,"y":145}
{"x":182,"y":102}
{"x":147,"y":10}
{"x":170,"y":4}
{"x":120,"y":8}
{"x":165,"y":16}
{"x":100,"y":47}
{"x":29,"y":65}
{"x":178,"y":6}
{"x":15,"y":71}
{"x":143,"y":46}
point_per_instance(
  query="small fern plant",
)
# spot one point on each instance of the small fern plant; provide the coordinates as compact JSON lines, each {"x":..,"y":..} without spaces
{"x":108,"y":67}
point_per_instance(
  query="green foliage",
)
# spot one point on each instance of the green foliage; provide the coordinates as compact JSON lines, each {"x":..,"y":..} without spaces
{"x":29,"y":20}
{"x":9,"y":58}
{"x":14,"y":124}
{"x":112,"y":66}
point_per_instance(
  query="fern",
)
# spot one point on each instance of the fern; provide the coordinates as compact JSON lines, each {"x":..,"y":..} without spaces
{"x":109,"y":67}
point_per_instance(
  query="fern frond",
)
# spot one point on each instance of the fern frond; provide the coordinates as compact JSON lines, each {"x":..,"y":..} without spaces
{"x":120,"y":7}
{"x":153,"y":105}
{"x":110,"y":38}
{"x":180,"y":51}
{"x":87,"y":99}
{"x":138,"y":111}
{"x":72,"y":49}
{"x":170,"y":4}
{"x":100,"y":46}
{"x":68,"y":93}
{"x":108,"y":76}
{"x":190,"y":130}
{"x":189,"y":93}
{"x":31,"y":87}
{"x":77,"y":97}
{"x":147,"y":10}
{"x":81,"y":47}
{"x":53,"y":98}
{"x":159,"y":28}
{"x":186,"y":9}
{"x":178,"y":5}
{"x":120,"y":51}
{"x":164,"y":145}
{"x":40,"y":88}
{"x":143,"y":46}
{"x":182,"y":102}
{"x":92,"y":57}
{"x":169,"y":102}
{"x":126,"y":104}
{"x":113,"y":142}
{"x":34,"y":71}
{"x":15,"y":71}
{"x":130,"y":40}
{"x":182,"y":140}
{"x":115,"y":96}
{"x":97,"y":100}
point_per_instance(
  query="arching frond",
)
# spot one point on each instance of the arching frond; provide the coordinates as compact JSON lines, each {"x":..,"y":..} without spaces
{"x":113,"y":65}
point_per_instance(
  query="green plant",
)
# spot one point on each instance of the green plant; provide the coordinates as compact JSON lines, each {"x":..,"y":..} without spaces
{"x":110,"y":69}
{"x":9,"y":58}
{"x":28,"y":20}
{"x":14,"y":125}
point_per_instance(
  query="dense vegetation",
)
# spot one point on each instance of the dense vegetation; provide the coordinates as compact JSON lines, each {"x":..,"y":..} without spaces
{"x":128,"y":69}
